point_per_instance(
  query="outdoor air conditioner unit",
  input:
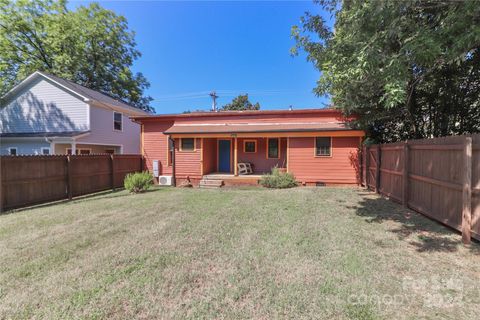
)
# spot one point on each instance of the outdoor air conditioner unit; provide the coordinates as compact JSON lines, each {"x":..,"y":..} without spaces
{"x":165,"y":180}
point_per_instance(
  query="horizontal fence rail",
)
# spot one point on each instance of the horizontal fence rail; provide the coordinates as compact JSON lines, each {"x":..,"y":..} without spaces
{"x":30,"y":180}
{"x":437,"y":177}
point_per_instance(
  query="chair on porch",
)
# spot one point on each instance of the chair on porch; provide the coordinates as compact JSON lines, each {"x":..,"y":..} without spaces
{"x":244,"y":168}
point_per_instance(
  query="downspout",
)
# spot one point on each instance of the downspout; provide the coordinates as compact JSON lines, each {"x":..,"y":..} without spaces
{"x":173,"y":159}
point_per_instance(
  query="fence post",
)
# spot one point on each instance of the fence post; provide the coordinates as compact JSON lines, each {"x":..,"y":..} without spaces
{"x":2,"y":176}
{"x":112,"y":166}
{"x":367,"y":165}
{"x":467,"y":191}
{"x":69,"y":178}
{"x":377,"y":175}
{"x":406,"y":155}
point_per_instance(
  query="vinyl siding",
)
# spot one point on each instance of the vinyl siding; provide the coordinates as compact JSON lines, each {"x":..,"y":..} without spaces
{"x":42,"y":106}
{"x":340,"y":168}
{"x":102,"y":132}
{"x":23,"y":147}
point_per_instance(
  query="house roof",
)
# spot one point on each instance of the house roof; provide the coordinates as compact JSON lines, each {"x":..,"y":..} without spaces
{"x":322,"y":111}
{"x":256,"y":127}
{"x":87,"y":94}
{"x":41,"y":134}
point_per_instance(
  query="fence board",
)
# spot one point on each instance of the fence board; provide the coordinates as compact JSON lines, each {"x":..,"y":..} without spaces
{"x":429,"y":176}
{"x":30,"y":180}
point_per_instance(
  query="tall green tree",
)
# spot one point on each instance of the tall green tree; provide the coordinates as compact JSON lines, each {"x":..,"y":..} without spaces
{"x":241,"y":103}
{"x":408,"y":68}
{"x":91,"y":46}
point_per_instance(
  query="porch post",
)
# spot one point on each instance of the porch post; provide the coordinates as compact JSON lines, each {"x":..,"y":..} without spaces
{"x":235,"y":159}
{"x":74,"y":148}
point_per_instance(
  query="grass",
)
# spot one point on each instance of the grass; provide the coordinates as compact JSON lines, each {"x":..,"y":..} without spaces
{"x":340,"y":253}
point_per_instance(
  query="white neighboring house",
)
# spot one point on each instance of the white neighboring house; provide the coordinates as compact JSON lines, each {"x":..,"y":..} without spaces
{"x":45,"y":114}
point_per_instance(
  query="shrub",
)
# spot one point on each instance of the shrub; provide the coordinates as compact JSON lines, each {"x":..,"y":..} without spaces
{"x":138,"y":182}
{"x":278,"y":179}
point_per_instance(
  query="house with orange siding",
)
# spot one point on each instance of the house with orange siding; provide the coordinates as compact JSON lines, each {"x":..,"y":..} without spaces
{"x":316,"y":145}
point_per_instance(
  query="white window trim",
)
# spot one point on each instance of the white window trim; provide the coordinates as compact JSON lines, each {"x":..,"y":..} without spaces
{"x":46,"y":148}
{"x":12,"y":148}
{"x":121,"y":121}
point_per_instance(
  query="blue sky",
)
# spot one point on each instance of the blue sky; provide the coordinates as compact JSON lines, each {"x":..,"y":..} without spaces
{"x":191,"y":48}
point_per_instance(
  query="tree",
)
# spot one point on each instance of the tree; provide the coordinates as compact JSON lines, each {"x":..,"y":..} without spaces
{"x":91,"y":46}
{"x":408,"y":69}
{"x":241,"y":103}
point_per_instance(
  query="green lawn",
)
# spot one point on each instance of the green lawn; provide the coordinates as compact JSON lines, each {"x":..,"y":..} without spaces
{"x":340,"y":253}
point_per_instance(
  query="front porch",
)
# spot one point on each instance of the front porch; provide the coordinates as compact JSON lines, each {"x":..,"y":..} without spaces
{"x":221,"y":156}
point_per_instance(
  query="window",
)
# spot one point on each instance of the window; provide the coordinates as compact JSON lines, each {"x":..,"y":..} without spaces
{"x":84,"y":151}
{"x":117,"y":121}
{"x":323,"y":146}
{"x":187,"y":144}
{"x":45,"y":151}
{"x":110,"y":151}
{"x":170,"y":152}
{"x":273,"y":149}
{"x":12,"y":151}
{"x":249,"y":146}
{"x":79,"y":151}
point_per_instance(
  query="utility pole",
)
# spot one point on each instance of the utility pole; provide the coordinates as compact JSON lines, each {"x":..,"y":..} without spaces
{"x":214,"y":96}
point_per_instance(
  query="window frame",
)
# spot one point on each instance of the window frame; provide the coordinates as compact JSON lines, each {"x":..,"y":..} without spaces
{"x":77,"y":151}
{"x":315,"y":148}
{"x":170,"y":151}
{"x":121,"y":121}
{"x":245,"y":146}
{"x":278,"y":148}
{"x":181,"y":149}
{"x":46,"y":148}
{"x":10,"y":151}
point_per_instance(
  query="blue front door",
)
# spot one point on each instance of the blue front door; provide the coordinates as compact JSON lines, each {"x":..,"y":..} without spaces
{"x":224,"y":155}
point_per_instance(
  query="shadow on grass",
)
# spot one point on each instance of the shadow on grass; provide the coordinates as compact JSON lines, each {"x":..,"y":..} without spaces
{"x":428,"y":235}
{"x":107,"y":194}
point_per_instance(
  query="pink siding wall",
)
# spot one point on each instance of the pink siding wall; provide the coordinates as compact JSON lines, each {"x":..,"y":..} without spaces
{"x":259,"y":158}
{"x":340,"y":168}
{"x":156,"y":145}
{"x":262,"y":118}
{"x":188,"y":163}
{"x":101,"y":131}
{"x":209,"y":155}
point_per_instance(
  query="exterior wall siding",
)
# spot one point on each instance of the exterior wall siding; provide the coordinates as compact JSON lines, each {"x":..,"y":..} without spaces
{"x":259,"y":158}
{"x":23,"y":146}
{"x":61,"y":148}
{"x":102,"y":132}
{"x":262,"y":118}
{"x":155,"y":146}
{"x":339,"y":168}
{"x":188,"y":163}
{"x":42,"y":106}
{"x":209,"y":155}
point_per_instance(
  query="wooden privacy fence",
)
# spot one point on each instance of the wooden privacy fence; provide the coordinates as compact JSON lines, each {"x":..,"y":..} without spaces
{"x":29,"y":180}
{"x":438,"y":177}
